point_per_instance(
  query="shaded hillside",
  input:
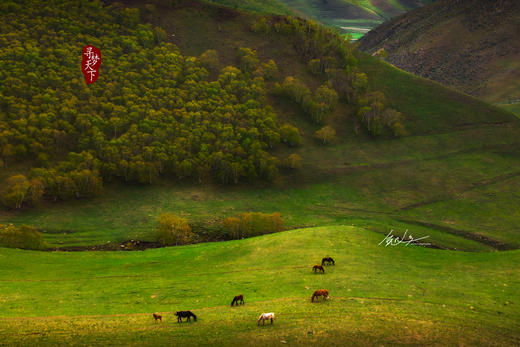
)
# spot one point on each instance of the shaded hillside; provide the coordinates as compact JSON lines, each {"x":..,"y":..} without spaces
{"x":352,"y":17}
{"x":472,"y":45}
{"x":260,"y":6}
{"x":330,"y":10}
{"x":458,"y":149}
{"x":215,"y":110}
{"x":154,"y":111}
{"x":428,"y":107}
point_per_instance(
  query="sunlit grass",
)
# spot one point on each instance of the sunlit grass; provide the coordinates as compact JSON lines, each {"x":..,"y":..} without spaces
{"x":401,"y":294}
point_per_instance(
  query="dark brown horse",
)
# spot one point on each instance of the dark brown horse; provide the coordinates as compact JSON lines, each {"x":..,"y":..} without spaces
{"x":185,"y":314}
{"x":328,"y":261}
{"x":236,"y":300}
{"x":320,"y":292}
{"x":157,"y":317}
{"x":318,"y":268}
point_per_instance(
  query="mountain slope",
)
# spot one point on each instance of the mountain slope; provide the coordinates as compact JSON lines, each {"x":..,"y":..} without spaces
{"x":471,"y":45}
{"x":353,"y":9}
{"x":428,"y":107}
{"x":260,"y":6}
{"x":354,"y":17}
{"x":458,"y":152}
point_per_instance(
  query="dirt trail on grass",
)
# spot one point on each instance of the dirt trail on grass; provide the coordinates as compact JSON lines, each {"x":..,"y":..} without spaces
{"x":496,"y":244}
{"x":354,"y":168}
{"x":482,"y":183}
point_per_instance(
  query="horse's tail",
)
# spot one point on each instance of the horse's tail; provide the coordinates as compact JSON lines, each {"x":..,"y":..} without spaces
{"x":232,"y":302}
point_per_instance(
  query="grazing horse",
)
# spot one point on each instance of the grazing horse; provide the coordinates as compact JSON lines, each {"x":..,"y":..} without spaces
{"x":157,"y":316}
{"x":328,"y":261}
{"x":265,"y":316}
{"x":320,"y":292}
{"x":185,"y":314}
{"x":318,"y":268}
{"x":236,"y":300}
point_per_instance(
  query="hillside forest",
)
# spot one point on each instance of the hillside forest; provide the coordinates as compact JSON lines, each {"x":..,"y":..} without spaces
{"x":155,"y":112}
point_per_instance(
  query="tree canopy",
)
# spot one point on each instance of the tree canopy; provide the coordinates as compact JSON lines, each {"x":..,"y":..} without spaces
{"x":152,"y":111}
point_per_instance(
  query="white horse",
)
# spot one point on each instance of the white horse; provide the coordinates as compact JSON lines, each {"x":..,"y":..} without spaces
{"x":265,"y":316}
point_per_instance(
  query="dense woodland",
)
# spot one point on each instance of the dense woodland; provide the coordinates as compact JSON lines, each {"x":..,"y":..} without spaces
{"x":154,"y":112}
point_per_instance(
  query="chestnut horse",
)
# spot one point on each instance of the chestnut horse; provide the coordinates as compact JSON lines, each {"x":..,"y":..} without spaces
{"x":318,"y":267}
{"x":157,"y":317}
{"x":236,"y":300}
{"x":328,"y":261}
{"x":265,"y":316}
{"x":320,"y":292}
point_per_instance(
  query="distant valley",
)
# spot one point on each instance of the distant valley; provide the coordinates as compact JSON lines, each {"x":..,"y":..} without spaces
{"x":352,"y":17}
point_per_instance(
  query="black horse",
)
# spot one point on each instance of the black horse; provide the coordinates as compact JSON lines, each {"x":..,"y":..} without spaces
{"x":237,"y":299}
{"x":185,"y":314}
{"x":328,"y":261}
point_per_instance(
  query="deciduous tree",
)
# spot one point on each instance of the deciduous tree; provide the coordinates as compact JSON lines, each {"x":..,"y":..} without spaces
{"x":174,"y":230}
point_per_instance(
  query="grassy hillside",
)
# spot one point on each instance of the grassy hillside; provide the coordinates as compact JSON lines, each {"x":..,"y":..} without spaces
{"x":470,"y":45}
{"x":428,"y":107}
{"x":379,"y":295}
{"x":452,"y":175}
{"x":354,"y":17}
{"x":513,"y":107}
{"x":455,"y":177}
{"x":260,"y":6}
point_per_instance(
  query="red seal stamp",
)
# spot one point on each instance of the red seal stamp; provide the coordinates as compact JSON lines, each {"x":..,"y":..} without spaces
{"x":90,"y":63}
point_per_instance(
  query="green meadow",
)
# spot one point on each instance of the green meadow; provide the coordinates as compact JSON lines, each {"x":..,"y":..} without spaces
{"x":513,"y":108}
{"x":378,"y":295}
{"x":260,"y":6}
{"x":454,"y":179}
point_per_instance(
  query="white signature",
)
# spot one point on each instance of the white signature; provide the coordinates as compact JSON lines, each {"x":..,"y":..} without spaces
{"x":391,"y":240}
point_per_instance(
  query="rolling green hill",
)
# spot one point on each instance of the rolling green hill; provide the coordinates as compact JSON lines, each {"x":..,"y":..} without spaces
{"x":455,"y":175}
{"x":378,"y":295}
{"x":187,"y":83}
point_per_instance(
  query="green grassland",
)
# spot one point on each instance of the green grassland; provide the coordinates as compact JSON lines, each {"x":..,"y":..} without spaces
{"x":458,"y":174}
{"x":514,"y":108}
{"x":379,"y":295}
{"x":455,"y":178}
{"x":260,"y":6}
{"x":411,"y":179}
